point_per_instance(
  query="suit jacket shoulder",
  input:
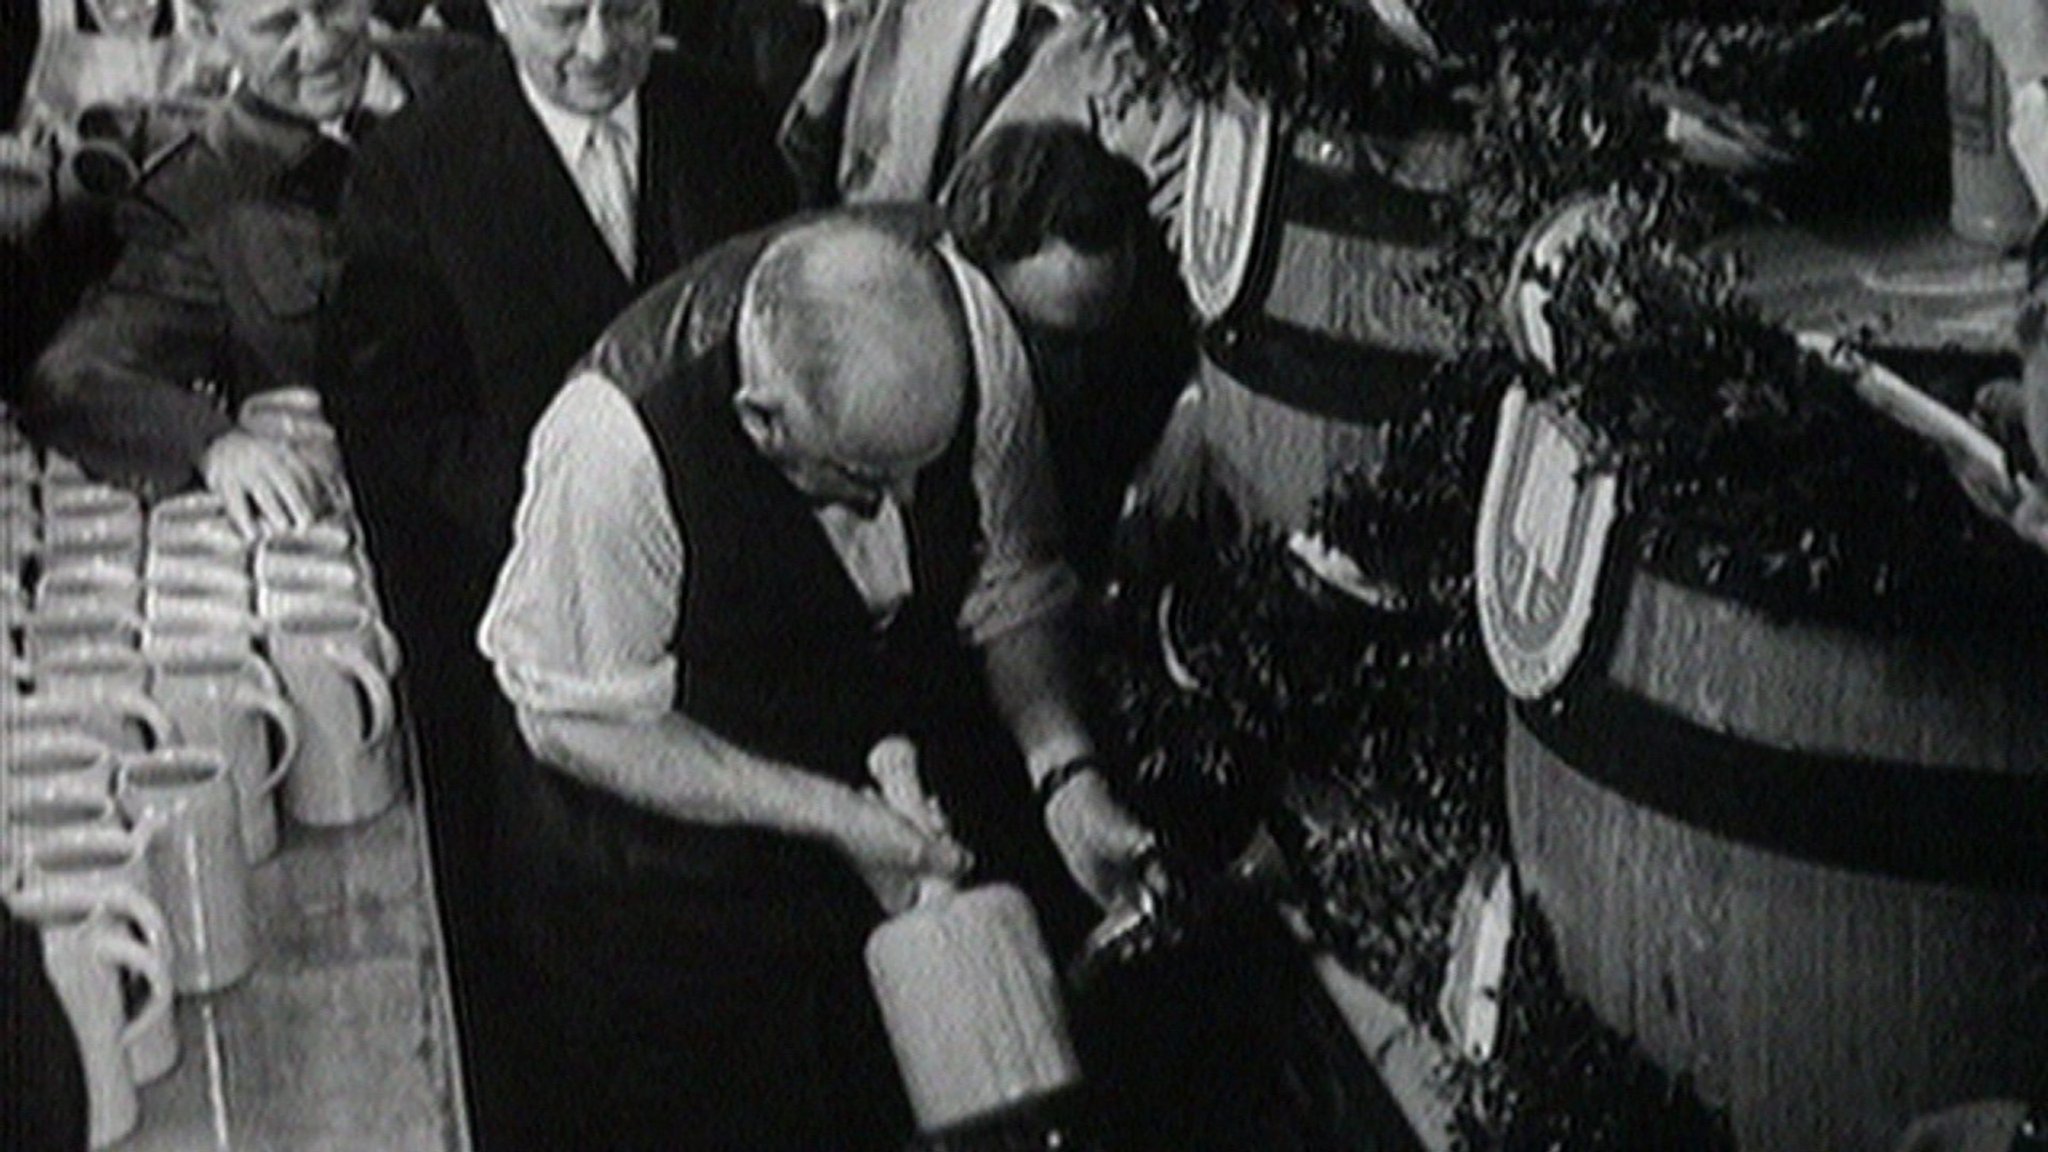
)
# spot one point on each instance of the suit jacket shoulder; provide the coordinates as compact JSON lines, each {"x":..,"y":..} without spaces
{"x":424,"y":57}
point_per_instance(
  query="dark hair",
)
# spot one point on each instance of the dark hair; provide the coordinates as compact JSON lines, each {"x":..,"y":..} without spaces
{"x":1026,"y":184}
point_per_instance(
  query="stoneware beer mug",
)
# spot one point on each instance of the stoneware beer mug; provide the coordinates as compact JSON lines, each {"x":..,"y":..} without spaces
{"x":282,"y":407}
{"x":215,"y":630}
{"x":178,"y":591}
{"x":233,"y":703}
{"x":93,"y":862}
{"x":180,"y":618}
{"x":88,"y":947}
{"x":199,"y":506}
{"x":348,"y":768}
{"x":112,"y":674}
{"x":184,"y":800}
{"x":92,"y":522}
{"x":75,"y":505}
{"x":88,"y":585}
{"x":55,"y":766}
{"x":126,"y":721}
{"x":196,"y":544}
{"x":49,"y":630}
{"x":26,"y":823}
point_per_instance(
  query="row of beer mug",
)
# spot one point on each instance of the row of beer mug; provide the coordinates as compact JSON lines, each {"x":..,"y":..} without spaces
{"x":99,"y":547}
{"x":307,"y":709}
{"x":145,"y":886}
{"x":135,"y":807}
{"x":170,"y":601}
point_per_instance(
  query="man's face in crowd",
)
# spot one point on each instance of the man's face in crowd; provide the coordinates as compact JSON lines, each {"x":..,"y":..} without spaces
{"x":808,"y":454}
{"x":306,"y":57}
{"x":1062,"y":289}
{"x":584,"y":56}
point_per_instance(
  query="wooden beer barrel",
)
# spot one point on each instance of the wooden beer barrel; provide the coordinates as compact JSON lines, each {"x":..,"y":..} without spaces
{"x":1325,"y":337}
{"x":1804,"y":865}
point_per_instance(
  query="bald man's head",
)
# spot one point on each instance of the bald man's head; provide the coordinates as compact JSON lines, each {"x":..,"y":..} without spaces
{"x":854,"y":359}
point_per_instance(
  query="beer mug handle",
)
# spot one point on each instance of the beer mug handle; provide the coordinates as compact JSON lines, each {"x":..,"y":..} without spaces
{"x":273,"y":707}
{"x":376,"y":692}
{"x":156,"y":723}
{"x":156,"y":1003}
{"x":138,"y":910}
{"x":389,"y":654}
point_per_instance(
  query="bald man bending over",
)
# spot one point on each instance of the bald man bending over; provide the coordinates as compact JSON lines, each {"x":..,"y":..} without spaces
{"x":794,"y":501}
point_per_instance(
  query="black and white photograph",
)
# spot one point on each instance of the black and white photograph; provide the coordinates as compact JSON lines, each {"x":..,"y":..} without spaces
{"x":1024,"y":575}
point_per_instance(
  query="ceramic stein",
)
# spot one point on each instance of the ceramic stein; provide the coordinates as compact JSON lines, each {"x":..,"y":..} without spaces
{"x":125,"y":720}
{"x":88,"y":948}
{"x":55,"y":766}
{"x":184,"y":799}
{"x":94,"y":861}
{"x":202,"y":628}
{"x":178,"y":619}
{"x":45,"y":632}
{"x":282,"y":406}
{"x":181,"y":544}
{"x":26,"y":823}
{"x":92,"y":522}
{"x":330,"y":658}
{"x":199,"y":506}
{"x":233,"y":703}
{"x":87,"y":584}
{"x":179,"y":591}
{"x":107,"y":680}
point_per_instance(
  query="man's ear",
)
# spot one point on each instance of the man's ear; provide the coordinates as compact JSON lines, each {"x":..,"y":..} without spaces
{"x":761,"y":419}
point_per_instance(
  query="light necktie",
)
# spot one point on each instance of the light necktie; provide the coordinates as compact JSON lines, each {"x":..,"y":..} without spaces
{"x":605,"y":174}
{"x":978,"y":97}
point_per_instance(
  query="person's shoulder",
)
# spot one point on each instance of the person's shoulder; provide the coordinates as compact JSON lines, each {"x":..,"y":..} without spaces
{"x":440,"y":122}
{"x":425,"y":58}
{"x":195,"y":176}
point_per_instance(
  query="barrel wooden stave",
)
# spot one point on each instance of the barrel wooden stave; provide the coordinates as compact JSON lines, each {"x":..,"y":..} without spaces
{"x":1822,"y":1006}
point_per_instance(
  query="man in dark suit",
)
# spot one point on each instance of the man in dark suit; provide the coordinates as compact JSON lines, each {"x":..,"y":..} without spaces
{"x":489,"y":238}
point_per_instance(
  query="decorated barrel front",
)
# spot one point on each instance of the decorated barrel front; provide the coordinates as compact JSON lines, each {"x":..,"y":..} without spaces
{"x":1806,"y":866}
{"x":1301,"y":250}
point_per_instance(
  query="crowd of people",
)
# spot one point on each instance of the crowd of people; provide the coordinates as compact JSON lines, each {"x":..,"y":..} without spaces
{"x":726,"y":388}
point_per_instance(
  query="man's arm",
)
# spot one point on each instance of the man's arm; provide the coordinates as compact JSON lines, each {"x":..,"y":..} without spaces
{"x":1017,"y":608}
{"x":579,"y":630}
{"x":116,"y":388}
{"x":677,"y":767}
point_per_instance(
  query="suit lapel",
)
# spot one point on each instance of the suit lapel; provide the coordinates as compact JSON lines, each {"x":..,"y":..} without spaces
{"x":659,"y":230}
{"x":931,"y":48}
{"x":562,"y":244}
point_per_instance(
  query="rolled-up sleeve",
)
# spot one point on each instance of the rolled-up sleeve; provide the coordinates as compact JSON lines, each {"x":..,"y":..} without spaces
{"x":1023,"y":575}
{"x":585,"y":609}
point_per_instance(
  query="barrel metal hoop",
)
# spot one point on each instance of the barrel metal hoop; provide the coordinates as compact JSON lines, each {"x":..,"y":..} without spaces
{"x":1980,"y":829}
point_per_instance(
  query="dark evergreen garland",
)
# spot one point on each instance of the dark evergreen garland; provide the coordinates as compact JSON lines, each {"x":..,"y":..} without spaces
{"x":1564,"y":1082}
{"x":1750,"y":468}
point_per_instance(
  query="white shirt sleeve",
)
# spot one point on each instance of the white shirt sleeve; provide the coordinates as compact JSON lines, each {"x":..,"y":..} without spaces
{"x":586,"y":606}
{"x":2028,"y":134}
{"x":1023,"y":576}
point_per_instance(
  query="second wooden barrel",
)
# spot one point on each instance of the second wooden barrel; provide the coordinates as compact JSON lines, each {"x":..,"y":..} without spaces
{"x":1806,"y":866}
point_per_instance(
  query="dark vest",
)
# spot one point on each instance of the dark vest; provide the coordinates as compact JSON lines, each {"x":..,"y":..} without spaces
{"x":776,"y":651}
